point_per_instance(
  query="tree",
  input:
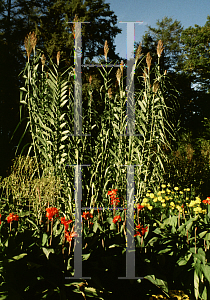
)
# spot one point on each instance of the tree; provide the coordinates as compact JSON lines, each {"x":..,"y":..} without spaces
{"x":174,"y":60}
{"x":196,"y":41}
{"x":169,"y":32}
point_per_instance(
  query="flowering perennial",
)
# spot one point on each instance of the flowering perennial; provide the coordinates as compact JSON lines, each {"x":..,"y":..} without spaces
{"x":141,"y":231}
{"x":51,"y":212}
{"x":12,"y":217}
{"x":112,"y":194}
{"x":206,"y":201}
{"x":116,"y":219}
{"x":87,"y":215}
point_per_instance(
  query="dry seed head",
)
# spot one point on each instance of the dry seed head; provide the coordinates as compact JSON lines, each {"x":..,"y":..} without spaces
{"x":118,"y":75}
{"x":155,"y":87}
{"x":148,"y":60}
{"x":159,"y":48}
{"x":90,"y":79}
{"x":73,"y":27}
{"x":144,"y":74}
{"x":121,"y":66}
{"x":30,"y":43}
{"x":138,"y":52}
{"x":165,"y":72}
{"x":106,"y":50}
{"x":58,"y":57}
{"x":43,"y":59}
{"x":110,"y":93}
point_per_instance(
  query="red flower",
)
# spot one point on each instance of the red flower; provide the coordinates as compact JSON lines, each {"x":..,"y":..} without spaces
{"x":112,"y":194}
{"x":142,"y":230}
{"x":69,"y":235}
{"x":65,"y":223}
{"x":207,"y":201}
{"x":87,"y":215}
{"x":117,"y":218}
{"x":140,"y":207}
{"x":115,"y":201}
{"x":12,"y":217}
{"x":51,"y":212}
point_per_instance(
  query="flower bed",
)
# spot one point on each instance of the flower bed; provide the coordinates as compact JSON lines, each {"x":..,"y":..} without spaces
{"x":166,"y":249}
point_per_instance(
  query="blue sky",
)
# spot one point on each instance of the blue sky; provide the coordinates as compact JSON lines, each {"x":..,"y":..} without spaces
{"x":188,"y":12}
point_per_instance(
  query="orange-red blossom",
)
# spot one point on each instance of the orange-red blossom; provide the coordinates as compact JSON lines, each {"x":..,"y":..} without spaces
{"x":207,"y":201}
{"x":142,"y":229}
{"x":12,"y":217}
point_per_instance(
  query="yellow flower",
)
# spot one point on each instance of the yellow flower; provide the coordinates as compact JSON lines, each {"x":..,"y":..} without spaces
{"x":149,"y":207}
{"x":152,"y":195}
{"x":168,"y":191}
{"x":163,"y":186}
{"x":145,"y":200}
{"x":176,"y":188}
{"x":159,"y":193}
{"x":197,"y":199}
{"x":148,"y":191}
{"x":180,"y":192}
{"x":187,"y":198}
{"x":172,"y":203}
{"x":192,"y":203}
{"x":163,"y":200}
{"x":197,"y":209}
{"x":166,"y":198}
{"x":172,"y":192}
{"x":162,"y":192}
{"x":160,"y":198}
{"x":168,"y":185}
{"x":188,"y":189}
{"x":204,"y":211}
{"x":155,"y":200}
{"x":163,"y":204}
{"x":147,"y":194}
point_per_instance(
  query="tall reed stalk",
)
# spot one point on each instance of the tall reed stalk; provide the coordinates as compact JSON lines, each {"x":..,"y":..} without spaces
{"x":50,"y":110}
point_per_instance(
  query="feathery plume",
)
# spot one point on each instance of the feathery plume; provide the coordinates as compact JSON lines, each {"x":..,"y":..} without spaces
{"x":106,"y":50}
{"x":159,"y":48}
{"x":144,"y":74}
{"x":148,"y":60}
{"x":90,"y":79}
{"x":58,"y":57}
{"x":138,"y":52}
{"x":43,"y":60}
{"x":73,"y":26}
{"x":118,"y":75}
{"x":121,"y":66}
{"x":155,"y":87}
{"x":30,"y":43}
{"x":110,"y":93}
